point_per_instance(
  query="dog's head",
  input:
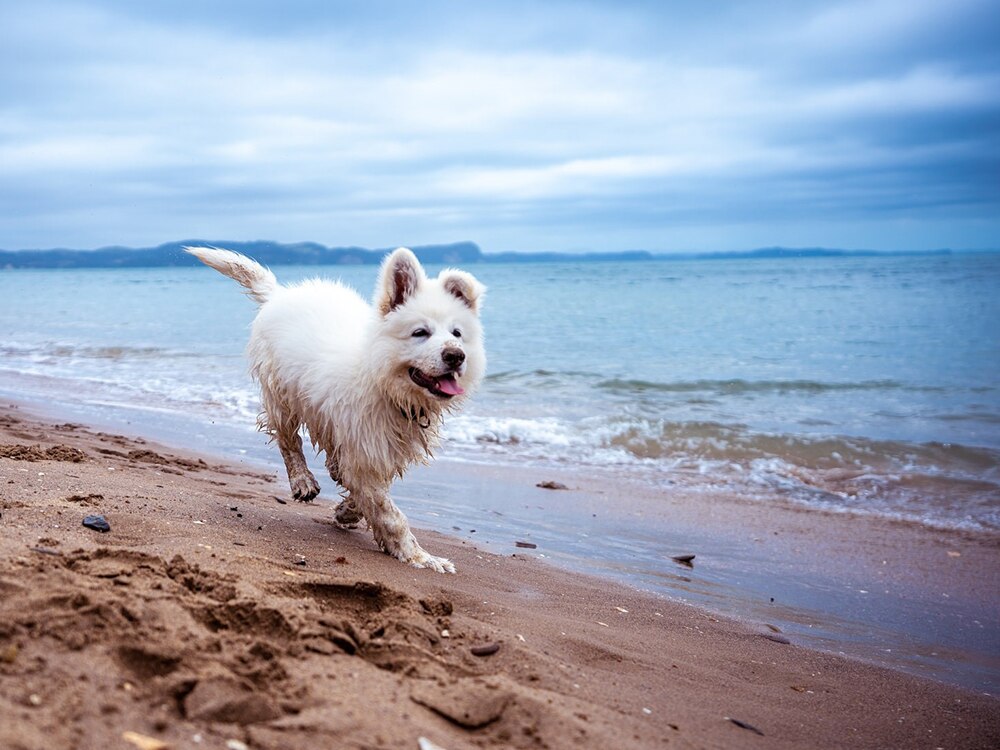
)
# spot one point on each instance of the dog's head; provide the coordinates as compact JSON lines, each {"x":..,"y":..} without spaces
{"x":430,"y":337}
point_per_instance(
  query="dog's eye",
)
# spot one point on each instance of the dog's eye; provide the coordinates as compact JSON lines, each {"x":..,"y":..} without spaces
{"x":421,"y":333}
{"x":456,"y":333}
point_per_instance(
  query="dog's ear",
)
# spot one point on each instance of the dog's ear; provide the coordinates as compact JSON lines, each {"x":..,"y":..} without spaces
{"x":463,"y":286}
{"x":399,"y":279}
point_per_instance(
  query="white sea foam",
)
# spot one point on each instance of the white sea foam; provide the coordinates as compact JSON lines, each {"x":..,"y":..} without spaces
{"x":926,"y":483}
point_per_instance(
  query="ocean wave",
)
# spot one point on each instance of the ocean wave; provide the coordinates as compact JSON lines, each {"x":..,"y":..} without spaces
{"x":941,"y":483}
{"x":734,"y":387}
{"x":148,"y":393}
{"x":646,"y":439}
{"x":944,"y":484}
{"x":541,"y":378}
{"x":61,"y":351}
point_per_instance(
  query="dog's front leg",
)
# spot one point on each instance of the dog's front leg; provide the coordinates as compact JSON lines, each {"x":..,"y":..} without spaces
{"x":392,"y":531}
{"x":302,"y":482}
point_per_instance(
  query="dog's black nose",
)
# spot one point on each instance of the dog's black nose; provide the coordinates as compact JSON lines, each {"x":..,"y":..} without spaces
{"x":453,"y":357}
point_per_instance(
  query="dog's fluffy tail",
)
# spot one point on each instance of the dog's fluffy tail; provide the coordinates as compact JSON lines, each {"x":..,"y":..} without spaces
{"x":259,"y":281}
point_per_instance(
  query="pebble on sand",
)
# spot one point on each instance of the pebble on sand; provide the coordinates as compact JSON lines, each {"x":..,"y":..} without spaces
{"x":744,"y":725}
{"x":9,"y":654}
{"x":97,"y":523}
{"x":485,"y":650}
{"x":144,"y":742}
{"x":425,"y":744}
{"x":548,"y":484}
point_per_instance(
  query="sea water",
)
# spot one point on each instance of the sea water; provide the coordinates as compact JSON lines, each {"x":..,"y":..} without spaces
{"x":861,"y":384}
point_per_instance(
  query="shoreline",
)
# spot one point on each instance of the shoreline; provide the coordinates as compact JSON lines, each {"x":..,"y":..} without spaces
{"x":890,"y":592}
{"x":194,"y":616}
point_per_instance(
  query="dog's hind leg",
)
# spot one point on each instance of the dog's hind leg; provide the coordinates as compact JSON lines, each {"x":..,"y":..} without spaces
{"x":392,"y":531}
{"x":346,"y":513}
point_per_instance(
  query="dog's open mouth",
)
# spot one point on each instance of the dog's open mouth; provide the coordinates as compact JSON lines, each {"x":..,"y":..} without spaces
{"x":444,"y":386}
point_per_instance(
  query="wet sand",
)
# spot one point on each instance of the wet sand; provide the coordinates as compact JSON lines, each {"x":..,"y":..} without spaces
{"x":896,"y":593}
{"x":212,"y":611}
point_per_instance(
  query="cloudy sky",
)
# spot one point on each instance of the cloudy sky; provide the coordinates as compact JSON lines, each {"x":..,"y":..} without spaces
{"x":522,"y":126}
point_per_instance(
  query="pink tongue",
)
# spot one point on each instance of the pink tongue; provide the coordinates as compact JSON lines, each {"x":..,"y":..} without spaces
{"x":450,"y":386}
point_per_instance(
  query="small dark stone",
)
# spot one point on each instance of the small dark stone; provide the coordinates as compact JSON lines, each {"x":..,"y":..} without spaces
{"x":744,"y":725}
{"x":301,"y":562}
{"x":684,"y":560}
{"x":526,"y":545}
{"x":487,"y":649}
{"x":280,"y":500}
{"x":550,"y":485}
{"x":97,"y":523}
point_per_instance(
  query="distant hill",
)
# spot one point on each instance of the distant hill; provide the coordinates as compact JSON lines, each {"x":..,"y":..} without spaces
{"x":511,"y":257}
{"x":803,"y":252}
{"x":315,"y":254}
{"x":268,"y":253}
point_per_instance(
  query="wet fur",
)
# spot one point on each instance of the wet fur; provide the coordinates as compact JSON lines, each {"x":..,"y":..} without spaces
{"x":329,"y":361}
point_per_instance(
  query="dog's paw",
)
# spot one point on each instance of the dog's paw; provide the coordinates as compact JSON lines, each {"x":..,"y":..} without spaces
{"x":347,"y":515}
{"x":304,"y":487}
{"x":437,"y":564}
{"x":397,"y":540}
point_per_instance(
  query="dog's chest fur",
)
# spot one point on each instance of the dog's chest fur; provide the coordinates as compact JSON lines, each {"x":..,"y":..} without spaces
{"x":373,"y":438}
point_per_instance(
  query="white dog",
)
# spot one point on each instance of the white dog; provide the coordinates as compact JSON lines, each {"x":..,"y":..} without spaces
{"x":371,"y":383}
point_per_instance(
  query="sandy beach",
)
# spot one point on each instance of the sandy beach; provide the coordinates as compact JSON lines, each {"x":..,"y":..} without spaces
{"x":217,"y":613}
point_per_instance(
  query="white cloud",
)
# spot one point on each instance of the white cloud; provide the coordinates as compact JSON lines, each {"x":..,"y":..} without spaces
{"x":922,"y":88}
{"x":72,"y":153}
{"x":860,"y":25}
